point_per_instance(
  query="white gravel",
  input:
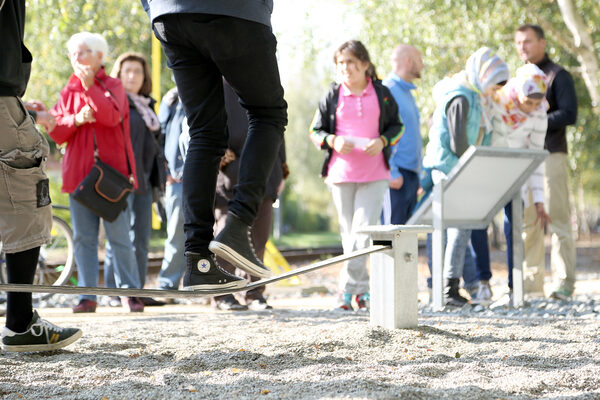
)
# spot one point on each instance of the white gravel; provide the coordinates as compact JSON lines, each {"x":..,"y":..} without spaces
{"x":191,"y":351}
{"x":301,"y":350}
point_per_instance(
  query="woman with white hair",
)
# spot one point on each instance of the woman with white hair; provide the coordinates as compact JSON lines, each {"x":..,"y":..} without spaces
{"x":93,"y":115}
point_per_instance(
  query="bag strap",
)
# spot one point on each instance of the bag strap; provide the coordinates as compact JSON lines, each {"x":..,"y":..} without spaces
{"x":96,"y":154}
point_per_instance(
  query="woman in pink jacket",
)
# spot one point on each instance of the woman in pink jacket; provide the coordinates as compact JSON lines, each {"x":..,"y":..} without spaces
{"x":93,"y":107}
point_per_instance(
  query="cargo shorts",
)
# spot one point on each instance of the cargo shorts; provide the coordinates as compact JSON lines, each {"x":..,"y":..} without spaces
{"x":25,"y":211}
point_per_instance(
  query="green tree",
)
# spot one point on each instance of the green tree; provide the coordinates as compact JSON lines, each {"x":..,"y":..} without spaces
{"x":306,"y":201}
{"x":448,"y":31}
{"x":50,"y":23}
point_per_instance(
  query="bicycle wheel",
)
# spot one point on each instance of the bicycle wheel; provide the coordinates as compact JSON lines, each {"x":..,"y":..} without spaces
{"x":56,"y":262}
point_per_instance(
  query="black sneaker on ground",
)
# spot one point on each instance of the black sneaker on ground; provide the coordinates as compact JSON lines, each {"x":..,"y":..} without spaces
{"x":258,"y":304}
{"x":202,"y":273}
{"x":451,"y":295}
{"x":234,"y":244}
{"x":40,"y":335}
{"x":151,"y":302}
{"x":228,"y":302}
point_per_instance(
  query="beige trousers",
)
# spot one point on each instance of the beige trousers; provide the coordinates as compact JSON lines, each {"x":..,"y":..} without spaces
{"x":25,"y":212}
{"x":563,"y":254}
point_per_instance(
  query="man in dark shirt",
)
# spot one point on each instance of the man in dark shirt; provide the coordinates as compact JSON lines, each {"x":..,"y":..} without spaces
{"x":561,"y":96}
{"x":204,"y":42}
{"x":25,"y":213}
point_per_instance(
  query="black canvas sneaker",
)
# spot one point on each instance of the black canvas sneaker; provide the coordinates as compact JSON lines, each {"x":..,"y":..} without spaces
{"x":228,"y":303}
{"x":258,"y":304}
{"x":40,"y":335}
{"x":234,"y":244}
{"x":451,"y":295}
{"x":202,"y":273}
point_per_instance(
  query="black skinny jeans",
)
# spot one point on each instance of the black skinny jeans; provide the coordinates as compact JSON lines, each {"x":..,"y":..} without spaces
{"x":201,"y":49}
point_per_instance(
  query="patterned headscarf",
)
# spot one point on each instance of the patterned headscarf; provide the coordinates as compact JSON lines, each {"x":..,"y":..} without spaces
{"x":485,"y":68}
{"x":528,"y":80}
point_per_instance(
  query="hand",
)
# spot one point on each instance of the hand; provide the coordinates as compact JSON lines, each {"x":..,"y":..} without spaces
{"x":171,"y":180}
{"x":342,"y":145}
{"x":397,"y":183}
{"x":35,"y":105}
{"x":85,"y":73}
{"x":280,"y":187}
{"x":542,"y":216}
{"x":374,"y":147}
{"x":228,"y":157}
{"x":285,"y":170}
{"x":85,"y":115}
{"x":46,"y":119}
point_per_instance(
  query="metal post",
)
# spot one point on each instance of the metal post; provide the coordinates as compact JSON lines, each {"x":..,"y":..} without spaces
{"x":518,"y":250}
{"x":437,"y":246}
{"x":394,"y":273}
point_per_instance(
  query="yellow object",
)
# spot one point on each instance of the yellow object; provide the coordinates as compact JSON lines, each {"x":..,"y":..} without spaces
{"x":156,"y":56}
{"x":155,"y":220}
{"x":278,"y":264}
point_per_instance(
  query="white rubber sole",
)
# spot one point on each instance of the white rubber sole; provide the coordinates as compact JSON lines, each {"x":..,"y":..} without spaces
{"x":237,"y":260}
{"x":212,"y":287}
{"x":44,"y":347}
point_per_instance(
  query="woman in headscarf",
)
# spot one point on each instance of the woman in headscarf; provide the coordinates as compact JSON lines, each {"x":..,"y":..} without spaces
{"x":458,"y":122}
{"x":519,"y":120}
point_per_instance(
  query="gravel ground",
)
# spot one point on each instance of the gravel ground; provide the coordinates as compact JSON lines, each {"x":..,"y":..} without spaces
{"x":303,"y":350}
{"x":194,"y":352}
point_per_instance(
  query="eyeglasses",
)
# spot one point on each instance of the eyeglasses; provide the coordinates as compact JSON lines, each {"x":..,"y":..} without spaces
{"x":76,"y":54}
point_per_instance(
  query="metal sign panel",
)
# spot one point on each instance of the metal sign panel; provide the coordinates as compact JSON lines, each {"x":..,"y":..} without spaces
{"x":483,"y":182}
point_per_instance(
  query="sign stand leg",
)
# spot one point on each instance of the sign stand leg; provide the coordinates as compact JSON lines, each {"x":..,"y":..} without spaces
{"x":437,"y":247}
{"x":518,"y":250}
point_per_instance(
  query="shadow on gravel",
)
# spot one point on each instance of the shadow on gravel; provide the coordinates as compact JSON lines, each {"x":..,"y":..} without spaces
{"x":182,"y":387}
{"x":473,"y":337}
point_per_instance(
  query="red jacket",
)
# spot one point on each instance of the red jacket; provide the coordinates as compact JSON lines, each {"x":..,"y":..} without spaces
{"x":79,"y":154}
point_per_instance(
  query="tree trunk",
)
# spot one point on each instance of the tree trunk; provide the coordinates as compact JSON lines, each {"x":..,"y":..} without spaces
{"x":584,"y":50}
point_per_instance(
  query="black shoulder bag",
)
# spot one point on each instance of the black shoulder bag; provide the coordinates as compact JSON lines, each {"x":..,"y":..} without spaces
{"x":104,"y":190}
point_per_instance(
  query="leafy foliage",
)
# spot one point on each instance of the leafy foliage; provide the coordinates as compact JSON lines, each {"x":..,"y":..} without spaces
{"x":50,"y":23}
{"x":448,"y":31}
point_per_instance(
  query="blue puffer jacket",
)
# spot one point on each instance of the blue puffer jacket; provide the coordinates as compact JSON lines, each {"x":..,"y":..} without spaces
{"x":439,"y":154}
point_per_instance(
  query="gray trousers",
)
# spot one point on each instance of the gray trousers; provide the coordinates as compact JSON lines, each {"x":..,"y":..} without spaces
{"x":357,"y":204}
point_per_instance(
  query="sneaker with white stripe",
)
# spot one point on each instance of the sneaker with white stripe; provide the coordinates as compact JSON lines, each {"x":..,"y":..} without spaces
{"x":40,"y":335}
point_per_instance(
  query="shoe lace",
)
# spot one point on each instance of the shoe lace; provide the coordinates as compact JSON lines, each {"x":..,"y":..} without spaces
{"x":218,"y":266}
{"x":44,"y":327}
{"x":249,"y":234}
